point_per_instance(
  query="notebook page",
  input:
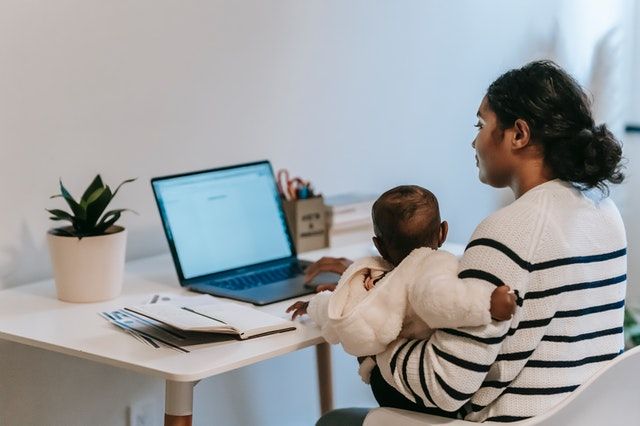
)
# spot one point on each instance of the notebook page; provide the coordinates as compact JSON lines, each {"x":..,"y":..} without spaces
{"x":181,"y":318}
{"x":248,"y":321}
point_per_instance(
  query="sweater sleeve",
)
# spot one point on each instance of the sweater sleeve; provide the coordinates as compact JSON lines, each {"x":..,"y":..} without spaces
{"x":446,"y":370}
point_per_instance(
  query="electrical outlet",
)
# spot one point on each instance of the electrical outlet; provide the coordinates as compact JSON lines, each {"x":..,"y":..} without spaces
{"x":143,"y":413}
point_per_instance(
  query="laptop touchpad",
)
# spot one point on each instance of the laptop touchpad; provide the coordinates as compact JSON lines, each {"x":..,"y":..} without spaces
{"x":324,"y":278}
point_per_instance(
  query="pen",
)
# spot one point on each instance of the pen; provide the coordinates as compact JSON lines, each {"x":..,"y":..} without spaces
{"x":303,"y":192}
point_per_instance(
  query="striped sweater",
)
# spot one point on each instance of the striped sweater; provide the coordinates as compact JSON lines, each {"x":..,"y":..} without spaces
{"x":564,"y":251}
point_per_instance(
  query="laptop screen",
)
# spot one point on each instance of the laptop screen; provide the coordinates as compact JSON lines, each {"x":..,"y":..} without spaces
{"x":223,"y":219}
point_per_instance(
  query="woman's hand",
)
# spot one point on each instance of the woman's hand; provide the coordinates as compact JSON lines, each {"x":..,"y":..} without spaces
{"x":336,"y":265}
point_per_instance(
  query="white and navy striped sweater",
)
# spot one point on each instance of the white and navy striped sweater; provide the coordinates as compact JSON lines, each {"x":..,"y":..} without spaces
{"x":565,"y":254}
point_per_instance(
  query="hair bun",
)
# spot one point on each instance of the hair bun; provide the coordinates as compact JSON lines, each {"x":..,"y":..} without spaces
{"x":599,"y":154}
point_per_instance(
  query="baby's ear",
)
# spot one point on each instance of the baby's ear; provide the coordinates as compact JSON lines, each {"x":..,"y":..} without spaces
{"x":444,"y":230}
{"x":378,"y":243}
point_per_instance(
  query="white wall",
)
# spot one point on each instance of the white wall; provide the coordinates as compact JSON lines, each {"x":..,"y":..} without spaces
{"x":634,"y":25}
{"x":632,"y":154}
{"x":355,"y":95}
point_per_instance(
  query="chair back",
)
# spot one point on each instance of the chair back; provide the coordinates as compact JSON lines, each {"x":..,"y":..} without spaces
{"x":611,"y":398}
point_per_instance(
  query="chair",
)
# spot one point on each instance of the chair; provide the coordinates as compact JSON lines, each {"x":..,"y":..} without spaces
{"x":610,"y":397}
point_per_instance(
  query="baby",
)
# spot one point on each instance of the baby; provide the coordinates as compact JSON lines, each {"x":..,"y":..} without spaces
{"x":379,"y":299}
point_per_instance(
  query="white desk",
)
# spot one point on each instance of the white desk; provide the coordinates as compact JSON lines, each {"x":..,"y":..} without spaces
{"x":32,"y":315}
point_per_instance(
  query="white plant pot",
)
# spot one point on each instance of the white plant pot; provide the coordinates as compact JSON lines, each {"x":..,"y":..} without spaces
{"x":88,"y":269}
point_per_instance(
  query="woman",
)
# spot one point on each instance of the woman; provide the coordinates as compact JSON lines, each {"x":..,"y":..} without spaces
{"x":561,"y":244}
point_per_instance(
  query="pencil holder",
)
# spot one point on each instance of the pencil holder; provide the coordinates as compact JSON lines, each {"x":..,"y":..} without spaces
{"x":306,"y":219}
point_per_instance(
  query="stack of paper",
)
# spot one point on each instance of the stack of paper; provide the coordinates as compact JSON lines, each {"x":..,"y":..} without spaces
{"x":177,"y":322}
{"x":348,"y":211}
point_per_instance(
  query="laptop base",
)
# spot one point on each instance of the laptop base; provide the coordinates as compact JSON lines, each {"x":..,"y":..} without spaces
{"x":261,"y":295}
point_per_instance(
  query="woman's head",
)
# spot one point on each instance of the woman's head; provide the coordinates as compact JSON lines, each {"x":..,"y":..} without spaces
{"x":546,"y":117}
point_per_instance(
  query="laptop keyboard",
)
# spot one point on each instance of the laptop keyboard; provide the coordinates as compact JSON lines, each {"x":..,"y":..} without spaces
{"x":254,"y":279}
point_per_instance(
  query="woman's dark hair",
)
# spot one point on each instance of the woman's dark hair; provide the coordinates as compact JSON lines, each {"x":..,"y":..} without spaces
{"x":558,"y":113}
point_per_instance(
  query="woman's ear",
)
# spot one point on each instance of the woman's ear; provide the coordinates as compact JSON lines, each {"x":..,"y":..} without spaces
{"x":442,"y":235}
{"x":521,"y":134}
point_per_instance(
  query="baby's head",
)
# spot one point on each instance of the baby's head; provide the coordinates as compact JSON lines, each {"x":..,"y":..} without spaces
{"x":405,"y":218}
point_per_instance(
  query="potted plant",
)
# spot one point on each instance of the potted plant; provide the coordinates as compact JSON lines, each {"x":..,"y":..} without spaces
{"x":631,"y":330}
{"x":88,"y":254}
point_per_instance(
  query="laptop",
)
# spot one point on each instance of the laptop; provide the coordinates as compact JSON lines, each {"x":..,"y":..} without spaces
{"x":228,"y":233}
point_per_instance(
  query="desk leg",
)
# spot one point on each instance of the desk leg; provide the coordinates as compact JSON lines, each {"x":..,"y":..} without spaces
{"x":178,"y":406}
{"x":323,"y":357}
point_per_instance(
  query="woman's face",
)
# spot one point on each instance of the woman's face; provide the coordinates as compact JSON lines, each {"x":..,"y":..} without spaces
{"x":493,"y":151}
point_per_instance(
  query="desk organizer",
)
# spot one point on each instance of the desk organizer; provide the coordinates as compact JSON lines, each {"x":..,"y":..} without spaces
{"x":307,"y":222}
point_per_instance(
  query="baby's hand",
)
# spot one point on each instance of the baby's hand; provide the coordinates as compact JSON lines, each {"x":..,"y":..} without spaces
{"x":299,"y":308}
{"x":369,"y":282}
{"x":503,"y":303}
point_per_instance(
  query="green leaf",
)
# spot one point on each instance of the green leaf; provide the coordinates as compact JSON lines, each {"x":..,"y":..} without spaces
{"x":61,"y":214}
{"x":92,"y":188}
{"x":108,"y":220}
{"x":98,"y":206}
{"x":126,"y":181}
{"x":95,"y":195}
{"x":78,"y":211}
{"x":63,"y":232}
{"x":110,"y":213}
{"x":58,"y":215}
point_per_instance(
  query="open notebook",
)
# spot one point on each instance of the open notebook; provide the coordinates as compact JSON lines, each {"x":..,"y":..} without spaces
{"x":226,"y":318}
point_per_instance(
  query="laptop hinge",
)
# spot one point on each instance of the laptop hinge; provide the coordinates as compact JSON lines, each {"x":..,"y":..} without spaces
{"x":243,"y":270}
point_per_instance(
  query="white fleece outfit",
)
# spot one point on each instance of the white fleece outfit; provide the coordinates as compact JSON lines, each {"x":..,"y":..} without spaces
{"x":409,"y":301}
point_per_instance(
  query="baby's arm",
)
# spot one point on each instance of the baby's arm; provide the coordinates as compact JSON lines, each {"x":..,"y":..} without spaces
{"x":446,"y":303}
{"x":318,"y":310}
